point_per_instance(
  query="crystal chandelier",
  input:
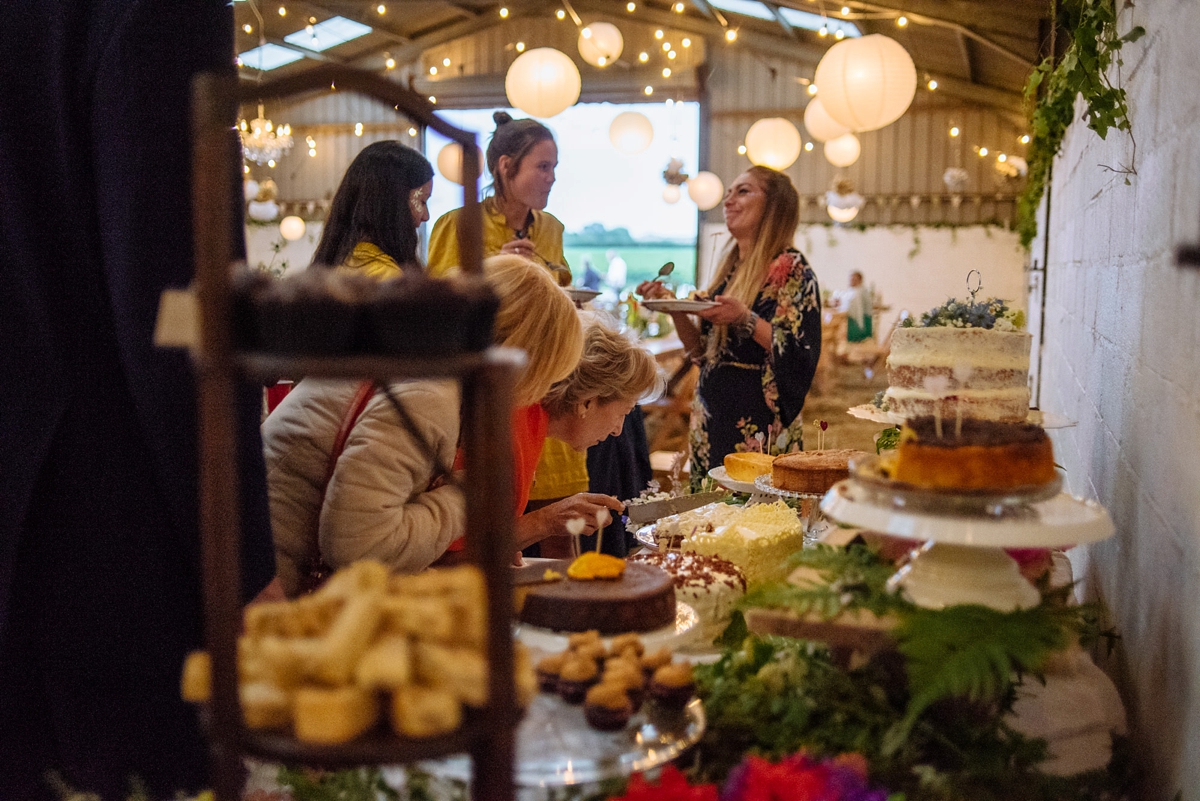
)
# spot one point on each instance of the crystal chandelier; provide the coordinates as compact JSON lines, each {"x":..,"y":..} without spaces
{"x":262,"y":142}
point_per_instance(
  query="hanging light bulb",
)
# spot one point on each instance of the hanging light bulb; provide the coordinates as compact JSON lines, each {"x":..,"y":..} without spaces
{"x":901,"y":21}
{"x":503,"y":12}
{"x":520,"y":47}
{"x":560,"y":14}
{"x":631,"y":7}
{"x":731,"y":35}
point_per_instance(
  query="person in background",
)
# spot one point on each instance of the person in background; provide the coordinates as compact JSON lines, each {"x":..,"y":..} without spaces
{"x":758,"y":349}
{"x":591,"y":278}
{"x":857,"y":304}
{"x":100,"y":568}
{"x":521,"y":157}
{"x":372,"y":224}
{"x":617,"y":271}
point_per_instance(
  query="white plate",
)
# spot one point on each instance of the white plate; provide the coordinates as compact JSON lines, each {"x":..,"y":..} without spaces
{"x":719,"y":475}
{"x":869,"y":411}
{"x":685,"y":629}
{"x":1063,"y":520}
{"x":673,"y":305}
{"x":581,"y":295}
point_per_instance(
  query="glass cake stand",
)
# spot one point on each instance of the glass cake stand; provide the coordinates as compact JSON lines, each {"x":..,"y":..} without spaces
{"x":557,"y":748}
{"x":962,"y":560}
{"x":815,"y":524}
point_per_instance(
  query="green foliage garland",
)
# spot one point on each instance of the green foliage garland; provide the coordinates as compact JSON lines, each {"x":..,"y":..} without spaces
{"x":1083,"y":70}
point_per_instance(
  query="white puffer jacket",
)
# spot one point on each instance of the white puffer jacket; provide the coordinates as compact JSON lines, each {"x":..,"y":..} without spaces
{"x":376,"y":504}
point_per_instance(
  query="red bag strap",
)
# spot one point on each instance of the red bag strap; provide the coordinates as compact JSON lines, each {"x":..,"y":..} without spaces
{"x":353,"y":412}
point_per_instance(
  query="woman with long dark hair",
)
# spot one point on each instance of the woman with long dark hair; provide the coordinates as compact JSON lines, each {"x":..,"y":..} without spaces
{"x":372,"y":224}
{"x":758,"y":349}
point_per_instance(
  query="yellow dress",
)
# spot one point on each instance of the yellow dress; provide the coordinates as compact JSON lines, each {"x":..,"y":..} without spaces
{"x":368,"y":260}
{"x":546,"y":234}
{"x":561,"y":471}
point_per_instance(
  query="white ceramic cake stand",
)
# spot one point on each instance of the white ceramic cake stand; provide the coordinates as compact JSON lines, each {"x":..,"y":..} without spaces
{"x":962,"y":561}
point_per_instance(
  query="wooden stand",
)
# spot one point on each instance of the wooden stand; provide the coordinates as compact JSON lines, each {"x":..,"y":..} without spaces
{"x":486,"y":379}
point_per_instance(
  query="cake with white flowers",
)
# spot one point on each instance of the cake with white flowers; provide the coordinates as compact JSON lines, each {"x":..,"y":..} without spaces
{"x":964,"y":357}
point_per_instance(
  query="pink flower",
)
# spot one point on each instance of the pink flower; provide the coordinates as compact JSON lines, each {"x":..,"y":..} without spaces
{"x":779,"y":271}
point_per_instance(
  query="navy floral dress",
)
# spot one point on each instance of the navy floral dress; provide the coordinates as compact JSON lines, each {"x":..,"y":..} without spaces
{"x":749,"y":398}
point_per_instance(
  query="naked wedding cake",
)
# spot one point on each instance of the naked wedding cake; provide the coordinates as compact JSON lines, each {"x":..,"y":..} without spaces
{"x":964,"y":356}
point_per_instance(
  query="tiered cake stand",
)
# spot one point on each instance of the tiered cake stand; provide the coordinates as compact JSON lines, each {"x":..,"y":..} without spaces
{"x":962,"y":560}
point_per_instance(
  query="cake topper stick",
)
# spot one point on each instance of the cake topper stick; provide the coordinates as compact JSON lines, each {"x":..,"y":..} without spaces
{"x":978,"y":283}
{"x":602,"y":520}
{"x":575,"y":527}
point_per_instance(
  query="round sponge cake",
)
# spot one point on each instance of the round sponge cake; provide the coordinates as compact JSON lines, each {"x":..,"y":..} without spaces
{"x":642,"y":599}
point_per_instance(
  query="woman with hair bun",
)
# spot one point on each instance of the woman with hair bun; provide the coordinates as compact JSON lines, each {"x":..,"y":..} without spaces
{"x":521,"y":157}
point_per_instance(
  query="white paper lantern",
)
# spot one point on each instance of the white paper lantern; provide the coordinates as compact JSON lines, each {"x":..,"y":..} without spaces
{"x":600,"y":44}
{"x":866,"y":83}
{"x":250,"y":190}
{"x":706,"y":190}
{"x":631,"y":132}
{"x":671,"y":193}
{"x":820,"y":125}
{"x":542,"y":82}
{"x":450,"y":162}
{"x":773,"y":142}
{"x":263,"y":211}
{"x":843,"y":151}
{"x":842,"y":215}
{"x":291,"y":228}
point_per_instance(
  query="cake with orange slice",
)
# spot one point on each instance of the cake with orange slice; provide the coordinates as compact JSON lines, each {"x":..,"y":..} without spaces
{"x":604,"y":593}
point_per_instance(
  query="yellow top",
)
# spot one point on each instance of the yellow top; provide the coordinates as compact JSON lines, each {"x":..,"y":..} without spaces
{"x":368,"y":260}
{"x":561,"y":471}
{"x":546,"y":234}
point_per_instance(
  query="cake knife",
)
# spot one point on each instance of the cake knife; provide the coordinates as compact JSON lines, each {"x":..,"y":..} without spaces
{"x":648,"y":512}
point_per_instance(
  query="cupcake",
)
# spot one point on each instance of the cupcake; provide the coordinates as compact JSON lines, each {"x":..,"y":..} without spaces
{"x":607,"y":707}
{"x":672,"y":685}
{"x":547,"y":672}
{"x":629,"y":675}
{"x":591,"y":650}
{"x":623,"y":642}
{"x":652,"y":662}
{"x":575,"y":678}
{"x":576,"y":640}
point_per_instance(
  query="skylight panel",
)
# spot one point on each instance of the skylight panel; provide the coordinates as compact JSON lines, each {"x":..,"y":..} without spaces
{"x":268,"y":57}
{"x":747,"y":8}
{"x":813,"y":22}
{"x":330,"y":33}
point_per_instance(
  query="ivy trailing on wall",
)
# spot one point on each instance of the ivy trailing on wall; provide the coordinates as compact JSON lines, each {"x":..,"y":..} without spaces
{"x":1083,"y":70}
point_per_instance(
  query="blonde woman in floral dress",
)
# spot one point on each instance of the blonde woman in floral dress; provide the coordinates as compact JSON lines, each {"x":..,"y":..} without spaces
{"x":758,"y":349}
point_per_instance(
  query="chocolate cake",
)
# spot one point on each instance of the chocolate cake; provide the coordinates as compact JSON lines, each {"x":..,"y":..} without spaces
{"x":642,"y":599}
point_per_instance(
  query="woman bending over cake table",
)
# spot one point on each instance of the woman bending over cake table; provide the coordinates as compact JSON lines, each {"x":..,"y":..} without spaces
{"x":758,"y":349}
{"x":390,"y":497}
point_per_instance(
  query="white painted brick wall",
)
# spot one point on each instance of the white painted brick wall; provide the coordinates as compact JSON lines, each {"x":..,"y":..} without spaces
{"x":1122,"y":356}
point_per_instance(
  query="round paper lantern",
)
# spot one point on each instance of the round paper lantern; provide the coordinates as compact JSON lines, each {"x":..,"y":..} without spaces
{"x":291,"y":228}
{"x":706,"y":190}
{"x":600,"y":44}
{"x":542,"y":82}
{"x":450,"y":162}
{"x":263,"y":210}
{"x":773,"y":142}
{"x":820,"y":125}
{"x":250,"y":190}
{"x":866,"y":83}
{"x":631,"y":132}
{"x":671,"y":193}
{"x":843,"y":151}
{"x":842,"y":215}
